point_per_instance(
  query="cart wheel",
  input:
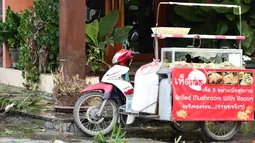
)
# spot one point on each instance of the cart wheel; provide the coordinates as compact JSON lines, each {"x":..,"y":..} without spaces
{"x":185,"y":126}
{"x":220,"y":130}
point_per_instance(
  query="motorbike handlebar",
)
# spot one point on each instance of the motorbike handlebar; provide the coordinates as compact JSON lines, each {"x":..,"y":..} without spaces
{"x":134,"y":53}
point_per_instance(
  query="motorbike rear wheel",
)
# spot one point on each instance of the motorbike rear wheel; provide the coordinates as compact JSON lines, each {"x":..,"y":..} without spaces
{"x":220,"y":130}
{"x":86,"y":117}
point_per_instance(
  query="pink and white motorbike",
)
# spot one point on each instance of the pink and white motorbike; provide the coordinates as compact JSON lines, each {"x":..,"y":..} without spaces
{"x":97,"y":109}
{"x":105,"y":103}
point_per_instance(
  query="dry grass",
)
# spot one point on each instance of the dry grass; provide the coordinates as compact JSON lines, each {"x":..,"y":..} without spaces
{"x":67,"y":90}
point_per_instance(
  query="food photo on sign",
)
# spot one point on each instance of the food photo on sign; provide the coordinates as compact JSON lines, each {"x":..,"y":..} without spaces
{"x":207,"y":94}
{"x":245,"y":78}
{"x":230,"y":78}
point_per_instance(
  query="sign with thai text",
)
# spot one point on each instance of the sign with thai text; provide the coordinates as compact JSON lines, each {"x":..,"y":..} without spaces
{"x":208,"y":94}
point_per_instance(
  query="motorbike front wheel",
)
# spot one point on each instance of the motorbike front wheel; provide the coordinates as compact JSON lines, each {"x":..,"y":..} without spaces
{"x":220,"y":130}
{"x":86,"y":111}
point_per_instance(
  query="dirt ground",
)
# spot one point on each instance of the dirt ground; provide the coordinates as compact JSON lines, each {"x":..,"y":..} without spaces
{"x":20,"y":130}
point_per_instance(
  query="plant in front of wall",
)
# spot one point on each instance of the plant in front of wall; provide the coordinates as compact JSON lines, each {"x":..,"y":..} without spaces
{"x":46,"y":34}
{"x":30,"y":72}
{"x":100,"y":35}
{"x":11,"y":24}
{"x":40,"y":41}
{"x":9,"y":33}
{"x":26,"y":59}
{"x":216,"y":20}
{"x":8,"y":29}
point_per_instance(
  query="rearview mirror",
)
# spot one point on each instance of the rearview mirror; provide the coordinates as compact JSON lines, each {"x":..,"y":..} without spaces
{"x":134,"y":37}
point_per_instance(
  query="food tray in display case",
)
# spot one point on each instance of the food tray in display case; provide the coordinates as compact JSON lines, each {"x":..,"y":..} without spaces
{"x":170,"y":30}
{"x":201,"y":58}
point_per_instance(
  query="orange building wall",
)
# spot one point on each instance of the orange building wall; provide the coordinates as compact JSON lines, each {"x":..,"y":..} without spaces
{"x":16,"y":6}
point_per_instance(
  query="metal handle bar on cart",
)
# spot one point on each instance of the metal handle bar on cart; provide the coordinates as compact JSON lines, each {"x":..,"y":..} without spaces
{"x":194,"y":41}
{"x":205,"y":5}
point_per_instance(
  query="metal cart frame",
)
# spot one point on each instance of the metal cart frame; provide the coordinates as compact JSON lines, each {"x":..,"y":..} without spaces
{"x":196,"y":36}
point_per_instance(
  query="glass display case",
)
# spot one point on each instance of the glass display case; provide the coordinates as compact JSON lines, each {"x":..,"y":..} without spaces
{"x":201,"y":58}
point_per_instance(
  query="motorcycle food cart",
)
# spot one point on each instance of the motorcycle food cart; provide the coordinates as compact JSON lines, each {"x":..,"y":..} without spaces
{"x":190,"y":87}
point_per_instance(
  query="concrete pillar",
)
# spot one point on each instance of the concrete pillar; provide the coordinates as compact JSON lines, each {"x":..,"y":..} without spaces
{"x":72,"y":37}
{"x":16,"y":6}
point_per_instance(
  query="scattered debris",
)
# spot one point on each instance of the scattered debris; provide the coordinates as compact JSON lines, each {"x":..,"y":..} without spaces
{"x":58,"y":141}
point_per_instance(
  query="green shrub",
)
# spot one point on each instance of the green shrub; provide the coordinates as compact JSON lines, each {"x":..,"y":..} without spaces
{"x":8,"y":29}
{"x":39,"y":47}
